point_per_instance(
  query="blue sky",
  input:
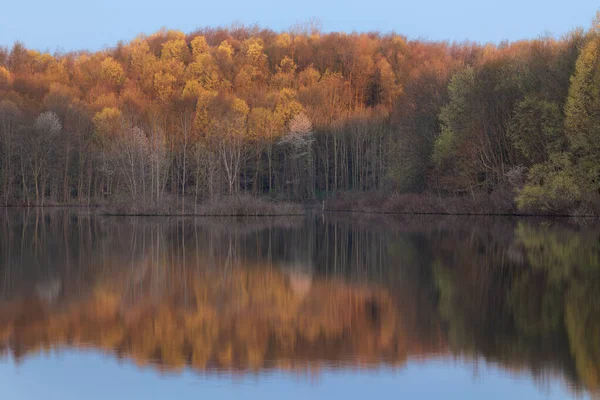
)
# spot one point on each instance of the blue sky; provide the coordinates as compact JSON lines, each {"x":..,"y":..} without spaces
{"x":75,"y":24}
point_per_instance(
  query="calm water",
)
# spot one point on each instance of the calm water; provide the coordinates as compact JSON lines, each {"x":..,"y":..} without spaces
{"x":335,"y":305}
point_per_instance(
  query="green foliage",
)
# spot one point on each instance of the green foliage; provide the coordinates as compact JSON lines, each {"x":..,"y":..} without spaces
{"x":446,"y":283}
{"x":406,"y":171}
{"x":527,"y":311}
{"x":455,"y":116}
{"x":536,"y":129}
{"x":473,"y":150}
{"x":444,"y":147}
{"x":455,"y":119}
{"x":582,"y":316}
{"x":551,"y":186}
{"x":538,"y":308}
{"x":582,"y":121}
{"x":562,"y":255}
{"x":582,"y":118}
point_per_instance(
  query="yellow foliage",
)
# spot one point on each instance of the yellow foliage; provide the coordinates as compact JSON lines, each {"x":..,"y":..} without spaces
{"x":309,"y":76}
{"x":5,"y":78}
{"x":199,"y":46}
{"x":58,"y":72}
{"x":173,"y":34}
{"x":132,"y":98}
{"x":205,"y":71}
{"x":284,"y":77}
{"x":287,"y":106}
{"x":164,"y":85}
{"x":105,"y":100}
{"x":192,"y":89}
{"x":111,"y":71}
{"x":283,"y":40}
{"x":243,"y":79}
{"x":201,"y":351}
{"x":164,"y":34}
{"x":254,"y":51}
{"x":287,"y":65}
{"x":202,"y":115}
{"x":140,"y":57}
{"x":240,"y":107}
{"x":107,"y":122}
{"x":261,"y":123}
{"x":42,"y":61}
{"x":225,"y":355}
{"x":225,"y":50}
{"x":390,"y":87}
{"x":175,"y":50}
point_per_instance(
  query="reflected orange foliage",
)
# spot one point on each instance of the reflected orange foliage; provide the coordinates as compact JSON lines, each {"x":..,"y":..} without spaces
{"x":249,"y":320}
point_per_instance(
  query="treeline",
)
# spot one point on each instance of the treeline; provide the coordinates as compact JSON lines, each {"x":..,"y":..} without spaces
{"x":301,"y":115}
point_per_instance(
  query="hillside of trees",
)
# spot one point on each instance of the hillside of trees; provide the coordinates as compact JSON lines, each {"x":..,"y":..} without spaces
{"x":304,"y":115}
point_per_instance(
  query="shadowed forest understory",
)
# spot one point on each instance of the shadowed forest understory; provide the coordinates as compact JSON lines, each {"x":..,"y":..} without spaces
{"x":172,"y":122}
{"x":304,"y":294}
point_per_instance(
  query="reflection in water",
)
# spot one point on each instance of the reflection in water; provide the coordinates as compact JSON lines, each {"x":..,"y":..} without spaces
{"x":305,"y":293}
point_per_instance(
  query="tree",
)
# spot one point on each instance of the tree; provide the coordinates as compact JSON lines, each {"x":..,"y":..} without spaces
{"x":10,"y":117}
{"x":199,"y":46}
{"x":184,"y":128}
{"x":164,"y":84}
{"x":111,"y":72}
{"x":262,"y":131}
{"x":226,"y":131}
{"x":298,"y":144}
{"x":5,"y":78}
{"x":176,"y":49}
{"x":536,"y":129}
{"x":107,"y":124}
{"x":582,"y":120}
{"x":475,"y":121}
{"x":203,"y":73}
{"x":132,"y":157}
{"x":551,"y":186}
{"x":81,"y":130}
{"x":415,"y":126}
{"x":37,"y":150}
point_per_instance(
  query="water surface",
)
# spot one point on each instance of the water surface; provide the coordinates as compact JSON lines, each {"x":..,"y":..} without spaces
{"x":320,"y":306}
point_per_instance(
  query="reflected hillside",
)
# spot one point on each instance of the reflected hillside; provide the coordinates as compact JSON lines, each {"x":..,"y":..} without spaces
{"x":213,"y":294}
{"x":305,"y":293}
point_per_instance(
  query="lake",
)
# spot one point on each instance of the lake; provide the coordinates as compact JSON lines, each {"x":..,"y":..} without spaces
{"x":347,"y":305}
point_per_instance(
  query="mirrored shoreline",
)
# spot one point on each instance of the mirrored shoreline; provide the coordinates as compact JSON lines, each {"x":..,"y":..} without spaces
{"x":333,"y":292}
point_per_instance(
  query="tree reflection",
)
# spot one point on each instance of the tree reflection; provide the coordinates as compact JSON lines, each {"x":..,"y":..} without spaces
{"x":260,"y":294}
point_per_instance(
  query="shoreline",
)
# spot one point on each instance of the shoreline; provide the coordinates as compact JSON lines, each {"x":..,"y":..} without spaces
{"x":350,"y":203}
{"x":307,"y":213}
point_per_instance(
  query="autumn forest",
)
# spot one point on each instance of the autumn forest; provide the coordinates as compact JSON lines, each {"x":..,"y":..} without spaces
{"x":172,"y":120}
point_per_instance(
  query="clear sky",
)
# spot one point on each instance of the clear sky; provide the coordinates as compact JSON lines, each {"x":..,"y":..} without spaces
{"x":76,"y":24}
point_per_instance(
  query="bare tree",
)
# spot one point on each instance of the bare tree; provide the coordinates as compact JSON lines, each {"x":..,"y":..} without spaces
{"x":132,"y":157}
{"x":298,"y":145}
{"x":9,"y":120}
{"x":226,"y":132}
{"x":37,"y":147}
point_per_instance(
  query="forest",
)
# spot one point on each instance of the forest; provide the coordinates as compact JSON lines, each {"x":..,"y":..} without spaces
{"x":172,"y":120}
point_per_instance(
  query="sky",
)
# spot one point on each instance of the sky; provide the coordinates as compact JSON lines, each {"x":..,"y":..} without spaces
{"x":93,"y":376}
{"x":65,"y":25}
